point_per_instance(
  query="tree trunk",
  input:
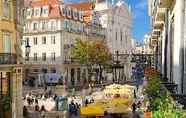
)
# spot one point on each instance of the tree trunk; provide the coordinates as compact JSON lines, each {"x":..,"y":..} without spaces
{"x":100,"y":73}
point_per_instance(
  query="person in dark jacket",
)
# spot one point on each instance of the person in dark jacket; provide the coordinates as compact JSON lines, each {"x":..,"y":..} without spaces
{"x":133,"y":107}
{"x":25,"y":112}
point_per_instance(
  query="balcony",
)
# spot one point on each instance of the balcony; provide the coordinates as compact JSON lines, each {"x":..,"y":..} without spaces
{"x":8,"y":58}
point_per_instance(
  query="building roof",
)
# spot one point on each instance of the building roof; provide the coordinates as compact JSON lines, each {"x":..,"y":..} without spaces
{"x":85,"y":6}
{"x":39,"y":3}
{"x":54,"y":10}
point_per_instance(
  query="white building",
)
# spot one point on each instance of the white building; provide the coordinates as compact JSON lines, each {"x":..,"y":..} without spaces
{"x":147,"y":45}
{"x":51,"y":29}
{"x":168,"y":37}
{"x":117,"y":19}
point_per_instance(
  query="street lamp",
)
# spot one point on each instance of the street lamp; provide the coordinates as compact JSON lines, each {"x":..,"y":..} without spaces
{"x":27,"y":51}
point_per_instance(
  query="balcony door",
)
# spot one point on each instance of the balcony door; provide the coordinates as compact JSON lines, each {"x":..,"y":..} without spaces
{"x":7,"y":42}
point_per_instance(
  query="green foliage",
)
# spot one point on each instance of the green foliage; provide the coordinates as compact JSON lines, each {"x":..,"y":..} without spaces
{"x":91,"y":51}
{"x":80,"y":51}
{"x":161,"y":102}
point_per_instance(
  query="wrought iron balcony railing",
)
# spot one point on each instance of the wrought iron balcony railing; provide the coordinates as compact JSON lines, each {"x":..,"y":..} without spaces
{"x":8,"y":58}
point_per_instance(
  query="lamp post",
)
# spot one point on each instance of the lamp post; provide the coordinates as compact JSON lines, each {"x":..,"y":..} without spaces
{"x":27,"y":51}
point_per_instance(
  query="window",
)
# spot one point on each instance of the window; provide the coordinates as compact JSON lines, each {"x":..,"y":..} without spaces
{"x":121,"y":35}
{"x":64,"y":11}
{"x":81,"y":15}
{"x":44,"y":40}
{"x":116,"y":35}
{"x":36,"y":12}
{"x":35,"y":56}
{"x":53,"y":39}
{"x":44,"y":25}
{"x":35,"y":26}
{"x":69,"y":12}
{"x":44,"y":56}
{"x":6,"y":9}
{"x":53,"y":56}
{"x":45,"y":10}
{"x":29,"y":12}
{"x":35,"y":40}
{"x":27,"y":40}
{"x":7,"y":42}
{"x":52,"y":25}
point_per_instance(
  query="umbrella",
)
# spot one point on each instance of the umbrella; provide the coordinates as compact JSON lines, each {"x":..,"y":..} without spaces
{"x":92,"y":110}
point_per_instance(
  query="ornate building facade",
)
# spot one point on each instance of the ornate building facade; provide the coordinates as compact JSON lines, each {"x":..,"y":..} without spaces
{"x":116,"y":18}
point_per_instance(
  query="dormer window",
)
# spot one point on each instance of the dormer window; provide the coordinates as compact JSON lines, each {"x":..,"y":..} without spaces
{"x":45,"y":11}
{"x":29,"y":12}
{"x":75,"y":14}
{"x":37,"y":12}
{"x":64,"y":11}
{"x":69,"y":12}
{"x":81,"y":15}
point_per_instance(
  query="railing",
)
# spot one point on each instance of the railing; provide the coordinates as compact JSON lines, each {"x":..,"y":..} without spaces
{"x":8,"y":58}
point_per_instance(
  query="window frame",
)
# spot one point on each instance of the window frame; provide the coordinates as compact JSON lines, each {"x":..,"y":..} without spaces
{"x":53,"y":56}
{"x":6,"y":11}
{"x":44,"y":56}
{"x":43,"y":39}
{"x":35,"y":56}
{"x":35,"y":41}
{"x":53,"y":39}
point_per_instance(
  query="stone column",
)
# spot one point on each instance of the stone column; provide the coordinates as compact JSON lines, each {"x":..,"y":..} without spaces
{"x":178,"y":47}
{"x":17,"y":105}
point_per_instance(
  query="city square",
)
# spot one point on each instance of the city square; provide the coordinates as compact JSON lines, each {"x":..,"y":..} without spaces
{"x":92,"y":59}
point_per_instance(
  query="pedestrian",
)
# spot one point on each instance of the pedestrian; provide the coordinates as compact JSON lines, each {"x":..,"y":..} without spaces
{"x":137,"y":87}
{"x":133,"y":107}
{"x":139,"y":104}
{"x":25,"y":112}
{"x":43,"y":108}
{"x":72,"y":109}
{"x":86,"y":102}
{"x":134,"y":93}
{"x":36,"y":101}
{"x":55,"y":96}
{"x":42,"y":111}
{"x":36,"y":107}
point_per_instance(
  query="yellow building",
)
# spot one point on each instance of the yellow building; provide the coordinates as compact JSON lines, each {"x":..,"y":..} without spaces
{"x":10,"y":71}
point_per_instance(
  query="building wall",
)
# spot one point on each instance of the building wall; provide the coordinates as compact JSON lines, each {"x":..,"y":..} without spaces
{"x":175,"y":56}
{"x":11,"y":27}
{"x":47,"y":48}
{"x":7,"y":26}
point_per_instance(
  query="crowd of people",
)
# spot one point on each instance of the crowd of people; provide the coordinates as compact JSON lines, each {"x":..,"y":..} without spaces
{"x":39,"y":103}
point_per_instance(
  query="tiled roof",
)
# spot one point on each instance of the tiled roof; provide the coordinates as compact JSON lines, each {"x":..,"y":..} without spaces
{"x":40,"y":3}
{"x":54,"y":10}
{"x":85,"y":6}
{"x":82,"y":6}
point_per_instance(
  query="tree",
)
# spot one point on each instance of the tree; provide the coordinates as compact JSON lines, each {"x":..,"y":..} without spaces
{"x":92,"y":52}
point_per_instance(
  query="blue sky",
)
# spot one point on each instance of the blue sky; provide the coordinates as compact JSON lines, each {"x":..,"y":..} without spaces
{"x":141,"y":21}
